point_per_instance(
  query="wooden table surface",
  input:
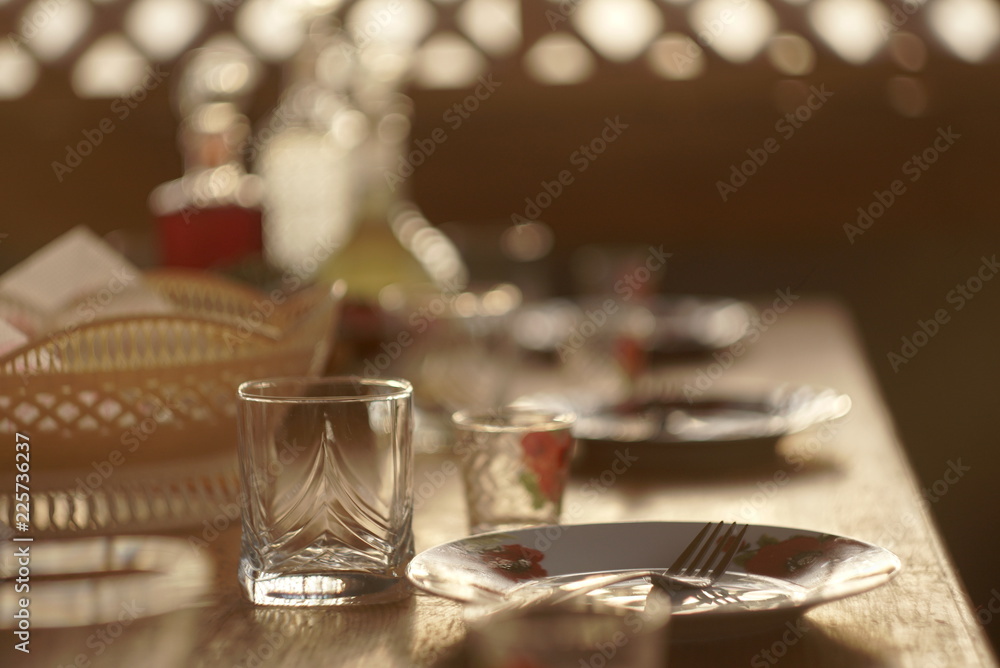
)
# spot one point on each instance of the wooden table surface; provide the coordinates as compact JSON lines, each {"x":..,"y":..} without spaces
{"x":852,"y":479}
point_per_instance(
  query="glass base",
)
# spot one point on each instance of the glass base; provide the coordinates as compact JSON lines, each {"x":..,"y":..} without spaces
{"x":321,"y":589}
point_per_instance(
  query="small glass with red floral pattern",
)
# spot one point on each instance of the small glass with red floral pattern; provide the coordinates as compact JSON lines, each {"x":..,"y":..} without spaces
{"x":515,"y":462}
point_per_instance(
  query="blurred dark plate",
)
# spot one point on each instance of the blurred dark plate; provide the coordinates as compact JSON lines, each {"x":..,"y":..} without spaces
{"x":731,"y":429}
{"x":672,"y":325}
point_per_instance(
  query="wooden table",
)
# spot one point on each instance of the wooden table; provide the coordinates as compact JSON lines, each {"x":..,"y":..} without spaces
{"x":850,"y":480}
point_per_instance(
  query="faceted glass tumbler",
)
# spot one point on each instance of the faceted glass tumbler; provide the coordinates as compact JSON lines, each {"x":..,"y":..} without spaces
{"x":326,"y":466}
{"x":515,"y":463}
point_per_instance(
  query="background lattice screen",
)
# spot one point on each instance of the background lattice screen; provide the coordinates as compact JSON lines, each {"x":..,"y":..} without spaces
{"x":102,"y":48}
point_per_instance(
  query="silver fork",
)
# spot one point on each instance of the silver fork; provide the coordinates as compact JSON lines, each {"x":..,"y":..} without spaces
{"x":695,"y":568}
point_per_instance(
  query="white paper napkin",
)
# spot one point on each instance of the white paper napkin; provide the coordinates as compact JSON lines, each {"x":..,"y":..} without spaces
{"x":78,"y":278}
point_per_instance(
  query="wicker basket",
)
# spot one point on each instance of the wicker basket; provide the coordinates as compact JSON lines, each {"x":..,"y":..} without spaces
{"x":131,"y":420}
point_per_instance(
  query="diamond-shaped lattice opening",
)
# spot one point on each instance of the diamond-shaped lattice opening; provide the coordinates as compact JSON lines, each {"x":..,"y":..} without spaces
{"x":559,"y":59}
{"x":969,"y":28}
{"x":67,"y":412}
{"x":87,"y":423}
{"x":126,"y":420}
{"x":111,"y":67}
{"x":272,"y":28}
{"x":47,"y":423}
{"x":200,"y":413}
{"x":149,"y":406}
{"x":400,"y":23}
{"x":619,"y":30}
{"x":26,"y":413}
{"x":18,"y":72}
{"x":791,"y":54}
{"x":852,"y":28}
{"x":677,"y":57}
{"x":130,"y":395}
{"x":109,"y":409}
{"x":162,"y":28}
{"x":447,"y":60}
{"x":736,"y":31}
{"x":45,"y":399}
{"x":51,"y":29}
{"x":88,"y":397}
{"x":494,"y":25}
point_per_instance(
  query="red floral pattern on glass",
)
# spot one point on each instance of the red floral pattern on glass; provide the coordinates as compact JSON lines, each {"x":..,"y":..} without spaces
{"x":546,"y":454}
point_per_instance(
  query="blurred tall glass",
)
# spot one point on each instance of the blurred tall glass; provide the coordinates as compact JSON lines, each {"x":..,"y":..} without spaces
{"x":326,"y":466}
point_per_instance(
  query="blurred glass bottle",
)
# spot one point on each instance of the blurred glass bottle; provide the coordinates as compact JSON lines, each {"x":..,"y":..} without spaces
{"x":394,"y":258}
{"x":211,"y":216}
{"x":307,"y":155}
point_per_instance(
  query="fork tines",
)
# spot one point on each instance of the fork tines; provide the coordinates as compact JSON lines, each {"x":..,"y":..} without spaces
{"x":715,"y":564}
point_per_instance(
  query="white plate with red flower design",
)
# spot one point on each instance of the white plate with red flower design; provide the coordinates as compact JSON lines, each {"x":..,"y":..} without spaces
{"x":777,"y":572}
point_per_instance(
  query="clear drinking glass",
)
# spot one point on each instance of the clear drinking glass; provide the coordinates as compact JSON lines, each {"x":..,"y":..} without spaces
{"x":515,"y":462}
{"x":326,"y":466}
